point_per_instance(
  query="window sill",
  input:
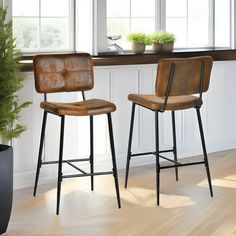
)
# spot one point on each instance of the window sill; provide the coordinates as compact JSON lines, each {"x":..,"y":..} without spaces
{"x":147,"y":57}
{"x":152,"y":58}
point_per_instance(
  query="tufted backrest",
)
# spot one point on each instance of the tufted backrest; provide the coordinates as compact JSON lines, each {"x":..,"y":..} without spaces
{"x":63,"y":72}
{"x":183,"y":76}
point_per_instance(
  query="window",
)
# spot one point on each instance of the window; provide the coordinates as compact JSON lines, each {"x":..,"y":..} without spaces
{"x":126,"y":16}
{"x":84,"y":25}
{"x":190,"y":21}
{"x":196,"y":24}
{"x":223,"y":19}
{"x":43,"y":25}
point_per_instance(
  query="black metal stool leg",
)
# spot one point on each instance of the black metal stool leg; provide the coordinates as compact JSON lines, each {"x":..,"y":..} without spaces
{"x":157,"y":158}
{"x":174,"y":144}
{"x":40,"y":151}
{"x":204,"y":151}
{"x":91,"y":153}
{"x":59,"y":179}
{"x":129,"y":144}
{"x":113,"y":159}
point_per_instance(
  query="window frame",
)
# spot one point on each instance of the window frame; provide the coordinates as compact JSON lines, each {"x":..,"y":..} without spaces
{"x":160,"y":21}
{"x":97,"y":38}
{"x":72,"y":31}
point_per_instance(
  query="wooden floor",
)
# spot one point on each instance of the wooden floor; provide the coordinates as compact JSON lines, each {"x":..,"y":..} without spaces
{"x":186,"y":206}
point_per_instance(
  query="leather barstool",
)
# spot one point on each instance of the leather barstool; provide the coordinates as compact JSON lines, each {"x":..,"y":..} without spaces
{"x":66,"y":73}
{"x":180,"y":83}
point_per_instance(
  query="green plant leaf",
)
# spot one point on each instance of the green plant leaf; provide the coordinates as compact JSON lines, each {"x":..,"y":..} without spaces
{"x":163,"y":37}
{"x":139,"y":38}
{"x":10,"y":82}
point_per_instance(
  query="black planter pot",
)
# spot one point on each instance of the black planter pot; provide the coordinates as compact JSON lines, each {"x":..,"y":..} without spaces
{"x":6,"y":185}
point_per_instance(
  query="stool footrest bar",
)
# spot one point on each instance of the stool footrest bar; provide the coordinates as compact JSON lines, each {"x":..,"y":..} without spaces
{"x":64,"y":161}
{"x":76,"y":167}
{"x":150,"y":153}
{"x":180,"y":165}
{"x":85,"y":175}
{"x":168,"y":159}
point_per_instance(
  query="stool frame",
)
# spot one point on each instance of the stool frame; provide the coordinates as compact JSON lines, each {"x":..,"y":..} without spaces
{"x":61,"y":160}
{"x":157,"y":153}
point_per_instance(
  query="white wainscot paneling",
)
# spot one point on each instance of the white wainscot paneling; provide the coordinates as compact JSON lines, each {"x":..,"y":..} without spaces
{"x":220,"y":107}
{"x":114,"y":83}
{"x":124,"y":82}
{"x":101,"y":90}
{"x":216,"y":104}
{"x":230,"y":100}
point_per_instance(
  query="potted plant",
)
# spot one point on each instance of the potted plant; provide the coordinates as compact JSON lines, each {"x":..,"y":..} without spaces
{"x":163,"y":41}
{"x":139,"y":42}
{"x":10,"y":83}
{"x":156,"y":45}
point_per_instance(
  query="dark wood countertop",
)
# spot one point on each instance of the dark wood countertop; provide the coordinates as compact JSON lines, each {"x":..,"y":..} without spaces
{"x":147,"y":58}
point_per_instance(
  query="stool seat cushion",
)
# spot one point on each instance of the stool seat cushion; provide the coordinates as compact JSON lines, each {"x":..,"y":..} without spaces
{"x":89,"y":107}
{"x":154,"y":102}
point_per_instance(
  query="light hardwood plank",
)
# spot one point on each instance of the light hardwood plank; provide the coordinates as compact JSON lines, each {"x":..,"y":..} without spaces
{"x":186,"y":206}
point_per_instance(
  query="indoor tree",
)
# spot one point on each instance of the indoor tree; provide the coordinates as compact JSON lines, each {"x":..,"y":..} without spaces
{"x":10,"y":82}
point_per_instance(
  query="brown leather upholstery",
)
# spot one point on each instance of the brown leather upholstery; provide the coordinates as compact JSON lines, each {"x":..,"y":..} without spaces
{"x":84,"y":108}
{"x":186,"y":79}
{"x":57,"y":73}
{"x":185,"y":82}
{"x":65,"y":73}
{"x":180,"y":83}
{"x":154,"y":102}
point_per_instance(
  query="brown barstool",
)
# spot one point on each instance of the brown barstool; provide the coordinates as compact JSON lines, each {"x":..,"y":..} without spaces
{"x":66,"y":73}
{"x":178,"y":82}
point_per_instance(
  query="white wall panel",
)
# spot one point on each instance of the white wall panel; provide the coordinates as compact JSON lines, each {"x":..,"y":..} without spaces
{"x":216,"y":104}
{"x":24,"y":146}
{"x":115,"y":83}
{"x":123,"y":82}
{"x":231,"y":100}
{"x":147,"y":130}
{"x":101,"y":90}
